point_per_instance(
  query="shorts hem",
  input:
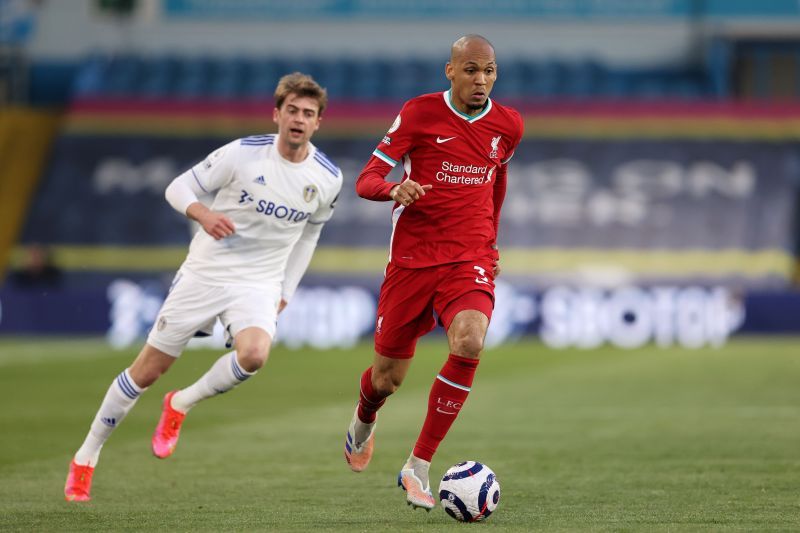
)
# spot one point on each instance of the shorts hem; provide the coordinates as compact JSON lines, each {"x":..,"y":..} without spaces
{"x":170,"y":350}
{"x":236,"y":327}
{"x":394,"y":354}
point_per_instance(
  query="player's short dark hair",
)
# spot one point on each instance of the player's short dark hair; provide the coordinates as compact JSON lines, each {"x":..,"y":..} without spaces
{"x":300,"y":84}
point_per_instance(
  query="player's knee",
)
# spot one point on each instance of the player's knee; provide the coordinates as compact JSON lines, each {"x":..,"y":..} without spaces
{"x":385,"y":384}
{"x":467,"y":344}
{"x":147,"y":377}
{"x":251,"y":358}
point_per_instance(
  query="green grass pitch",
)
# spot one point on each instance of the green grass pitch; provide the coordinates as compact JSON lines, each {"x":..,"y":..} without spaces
{"x":605,"y":440}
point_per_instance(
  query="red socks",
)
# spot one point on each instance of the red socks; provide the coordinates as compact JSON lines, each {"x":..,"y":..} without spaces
{"x":368,"y":401}
{"x":448,"y":394}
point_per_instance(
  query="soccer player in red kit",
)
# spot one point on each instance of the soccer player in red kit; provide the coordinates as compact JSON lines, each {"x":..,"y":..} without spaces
{"x":454,"y":147}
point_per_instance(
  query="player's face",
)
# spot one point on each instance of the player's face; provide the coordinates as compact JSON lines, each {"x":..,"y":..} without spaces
{"x":297,"y":119}
{"x":472,"y":74}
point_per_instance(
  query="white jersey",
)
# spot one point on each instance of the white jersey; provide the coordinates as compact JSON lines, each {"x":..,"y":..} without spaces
{"x":269,"y":200}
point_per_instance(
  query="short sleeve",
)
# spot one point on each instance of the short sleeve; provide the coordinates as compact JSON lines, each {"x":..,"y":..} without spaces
{"x":217,"y":169}
{"x":518,"y":131}
{"x":398,"y":140}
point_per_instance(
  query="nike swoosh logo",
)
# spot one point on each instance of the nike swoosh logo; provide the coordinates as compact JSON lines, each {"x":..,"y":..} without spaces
{"x":445,"y":412}
{"x":439,"y":140}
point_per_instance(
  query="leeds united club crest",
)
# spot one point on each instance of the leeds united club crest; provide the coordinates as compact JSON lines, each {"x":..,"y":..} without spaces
{"x":309,"y":193}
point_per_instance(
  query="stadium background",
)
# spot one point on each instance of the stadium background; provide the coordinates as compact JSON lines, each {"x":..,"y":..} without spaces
{"x":652,"y":206}
{"x":653,"y":198}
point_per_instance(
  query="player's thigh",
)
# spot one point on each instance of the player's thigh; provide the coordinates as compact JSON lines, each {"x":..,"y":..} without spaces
{"x":465,"y":286}
{"x":405,"y":310}
{"x":252,"y":307}
{"x":189,"y":307}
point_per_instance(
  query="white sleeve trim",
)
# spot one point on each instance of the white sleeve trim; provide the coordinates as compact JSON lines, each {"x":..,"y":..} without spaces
{"x":299,"y":258}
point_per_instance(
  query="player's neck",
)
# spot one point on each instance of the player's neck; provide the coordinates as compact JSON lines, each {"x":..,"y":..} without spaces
{"x":291,"y":153}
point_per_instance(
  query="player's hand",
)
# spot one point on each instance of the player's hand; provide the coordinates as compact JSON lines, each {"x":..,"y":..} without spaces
{"x":282,"y":305}
{"x":496,"y":261}
{"x":408,"y":192}
{"x":217,"y":225}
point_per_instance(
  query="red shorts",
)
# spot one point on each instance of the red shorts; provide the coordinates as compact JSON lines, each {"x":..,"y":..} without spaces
{"x":410,"y":297}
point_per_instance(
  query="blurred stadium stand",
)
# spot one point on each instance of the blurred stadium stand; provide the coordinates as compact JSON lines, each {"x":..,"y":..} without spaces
{"x":374,"y":79}
{"x":660,"y":149}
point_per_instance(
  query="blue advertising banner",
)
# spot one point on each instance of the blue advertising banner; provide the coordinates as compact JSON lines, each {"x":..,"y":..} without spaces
{"x":377,"y":9}
{"x":334,"y":312}
{"x":477,"y":9}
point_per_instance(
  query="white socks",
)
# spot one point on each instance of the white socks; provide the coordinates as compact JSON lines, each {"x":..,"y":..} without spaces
{"x":120,"y":398}
{"x":362,"y":431}
{"x":421,"y":468}
{"x":223,"y":375}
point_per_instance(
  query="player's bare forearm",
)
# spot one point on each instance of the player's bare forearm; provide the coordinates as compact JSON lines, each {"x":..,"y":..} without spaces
{"x":215,"y":224}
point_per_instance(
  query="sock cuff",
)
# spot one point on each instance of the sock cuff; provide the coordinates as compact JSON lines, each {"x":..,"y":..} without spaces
{"x":238,"y":372}
{"x":458,"y":372}
{"x":463,"y":362}
{"x":128,"y":387}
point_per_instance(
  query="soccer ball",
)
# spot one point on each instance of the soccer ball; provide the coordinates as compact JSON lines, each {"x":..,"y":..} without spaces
{"x":469,"y":491}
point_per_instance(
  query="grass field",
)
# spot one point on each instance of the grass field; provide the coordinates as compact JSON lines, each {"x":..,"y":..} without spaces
{"x":606,"y":440}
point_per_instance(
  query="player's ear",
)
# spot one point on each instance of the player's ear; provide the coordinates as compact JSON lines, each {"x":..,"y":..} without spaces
{"x":275,"y":115}
{"x":448,"y":71}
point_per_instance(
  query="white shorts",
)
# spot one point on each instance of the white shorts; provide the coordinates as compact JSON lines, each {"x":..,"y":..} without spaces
{"x":193,"y":306}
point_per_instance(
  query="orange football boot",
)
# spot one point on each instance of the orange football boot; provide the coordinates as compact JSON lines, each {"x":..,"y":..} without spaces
{"x":165,"y":437}
{"x":79,"y":483}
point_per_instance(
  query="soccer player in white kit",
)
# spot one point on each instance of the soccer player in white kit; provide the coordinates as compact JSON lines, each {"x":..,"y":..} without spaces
{"x":273,"y":194}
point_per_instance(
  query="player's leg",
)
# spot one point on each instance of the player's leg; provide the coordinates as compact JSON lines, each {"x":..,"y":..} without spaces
{"x":378,"y":382}
{"x":250,"y":317}
{"x":405,"y":312}
{"x":120,"y":398}
{"x":235,"y":367}
{"x":464,"y":302}
{"x":447,"y":395}
{"x":453,"y":383}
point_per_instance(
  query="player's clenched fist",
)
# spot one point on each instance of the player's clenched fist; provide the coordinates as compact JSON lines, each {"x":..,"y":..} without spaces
{"x":217,"y":225}
{"x":408,"y":192}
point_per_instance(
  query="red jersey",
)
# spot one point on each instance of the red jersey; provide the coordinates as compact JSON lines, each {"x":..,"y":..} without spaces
{"x":464,"y":157}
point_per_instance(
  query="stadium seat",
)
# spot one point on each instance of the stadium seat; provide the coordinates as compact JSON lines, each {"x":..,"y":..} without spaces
{"x":374,"y":79}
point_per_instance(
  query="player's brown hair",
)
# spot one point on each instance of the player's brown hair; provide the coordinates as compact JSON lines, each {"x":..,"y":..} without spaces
{"x":300,"y":84}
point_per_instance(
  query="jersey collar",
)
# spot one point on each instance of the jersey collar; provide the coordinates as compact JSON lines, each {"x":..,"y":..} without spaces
{"x":469,"y":118}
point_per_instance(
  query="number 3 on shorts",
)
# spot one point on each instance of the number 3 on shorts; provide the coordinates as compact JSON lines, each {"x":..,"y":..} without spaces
{"x":482,"y":280}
